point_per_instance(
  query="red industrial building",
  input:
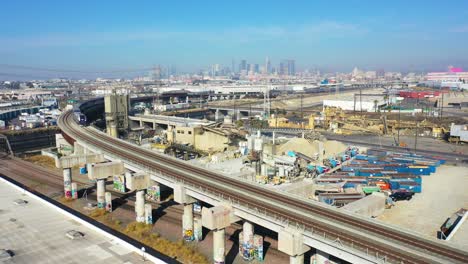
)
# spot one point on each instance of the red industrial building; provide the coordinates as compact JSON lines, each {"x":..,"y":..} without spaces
{"x":420,"y":94}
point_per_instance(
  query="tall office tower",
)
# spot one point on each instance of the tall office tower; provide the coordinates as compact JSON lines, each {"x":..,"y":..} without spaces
{"x":215,"y":69}
{"x":173,"y":70}
{"x":291,"y":67}
{"x":355,"y":72}
{"x":283,"y":68}
{"x":233,"y":67}
{"x":287,"y":67}
{"x":267,"y":65}
{"x":251,"y":68}
{"x":167,"y":71}
{"x":157,"y":73}
{"x":116,"y":111}
{"x":256,"y":68}
{"x":243,"y":65}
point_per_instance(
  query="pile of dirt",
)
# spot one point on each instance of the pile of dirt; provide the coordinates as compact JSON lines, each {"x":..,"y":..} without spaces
{"x":333,"y":147}
{"x":311,"y":149}
{"x":301,"y":145}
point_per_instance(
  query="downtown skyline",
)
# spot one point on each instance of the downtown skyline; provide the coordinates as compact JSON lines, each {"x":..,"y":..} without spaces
{"x":108,"y":36}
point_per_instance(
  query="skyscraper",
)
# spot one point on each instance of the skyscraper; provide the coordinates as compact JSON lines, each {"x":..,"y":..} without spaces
{"x":291,"y":67}
{"x":256,"y":68}
{"x":173,"y":70}
{"x":243,"y":65}
{"x":267,"y":65}
{"x":215,"y":70}
{"x":157,"y":73}
{"x":287,"y":67}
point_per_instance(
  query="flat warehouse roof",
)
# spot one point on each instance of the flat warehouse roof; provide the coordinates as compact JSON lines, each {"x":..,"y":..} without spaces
{"x":36,"y":234}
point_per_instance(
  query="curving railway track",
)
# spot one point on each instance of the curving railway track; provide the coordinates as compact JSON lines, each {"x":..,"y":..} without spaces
{"x":371,"y":238}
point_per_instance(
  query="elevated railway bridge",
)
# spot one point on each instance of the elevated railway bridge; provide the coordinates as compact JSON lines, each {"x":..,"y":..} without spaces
{"x":301,"y":224}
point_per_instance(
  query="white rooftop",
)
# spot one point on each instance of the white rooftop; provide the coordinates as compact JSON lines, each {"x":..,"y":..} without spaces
{"x":36,"y":234}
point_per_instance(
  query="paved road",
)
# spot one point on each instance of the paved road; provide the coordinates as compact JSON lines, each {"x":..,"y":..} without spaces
{"x":453,"y":152}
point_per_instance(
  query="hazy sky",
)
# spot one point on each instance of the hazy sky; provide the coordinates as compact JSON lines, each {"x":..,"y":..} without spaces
{"x":335,"y":35}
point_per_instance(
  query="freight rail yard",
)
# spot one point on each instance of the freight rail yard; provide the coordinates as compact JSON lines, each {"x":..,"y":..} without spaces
{"x":241,"y":188}
{"x":277,"y":186}
{"x":164,"y":172}
{"x":262,"y":185}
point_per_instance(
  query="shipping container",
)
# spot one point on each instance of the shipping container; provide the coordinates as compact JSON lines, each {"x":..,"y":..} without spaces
{"x":394,"y":185}
{"x":370,"y":189}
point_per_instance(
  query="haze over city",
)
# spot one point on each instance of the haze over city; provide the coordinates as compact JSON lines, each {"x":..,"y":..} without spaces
{"x":108,"y":36}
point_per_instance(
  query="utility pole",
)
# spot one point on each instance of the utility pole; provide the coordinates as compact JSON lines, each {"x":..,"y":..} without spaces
{"x":354,"y":109}
{"x":399,"y":120}
{"x":360,"y":99}
{"x":416,"y":136}
{"x":234,"y":108}
{"x":442,"y":106}
{"x":302,"y":109}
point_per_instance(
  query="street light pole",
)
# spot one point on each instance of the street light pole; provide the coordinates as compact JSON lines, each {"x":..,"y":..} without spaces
{"x":399,"y":120}
{"x":416,"y":137}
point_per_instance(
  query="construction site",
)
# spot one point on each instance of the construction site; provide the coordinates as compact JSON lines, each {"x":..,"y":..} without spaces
{"x":370,"y":157}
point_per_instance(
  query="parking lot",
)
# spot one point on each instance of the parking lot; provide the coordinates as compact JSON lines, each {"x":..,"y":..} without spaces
{"x":443,"y":193}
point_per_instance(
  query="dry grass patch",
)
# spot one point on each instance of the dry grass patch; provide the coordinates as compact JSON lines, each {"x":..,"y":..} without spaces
{"x":144,"y":233}
{"x":41,"y":160}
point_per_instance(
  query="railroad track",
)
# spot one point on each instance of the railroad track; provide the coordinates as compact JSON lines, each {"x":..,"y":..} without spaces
{"x":343,"y":139}
{"x":248,"y":194}
{"x":28,"y":171}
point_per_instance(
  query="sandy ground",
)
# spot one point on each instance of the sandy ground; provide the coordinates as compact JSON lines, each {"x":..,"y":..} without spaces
{"x":443,"y":193}
{"x":293,"y":102}
{"x":313,"y":100}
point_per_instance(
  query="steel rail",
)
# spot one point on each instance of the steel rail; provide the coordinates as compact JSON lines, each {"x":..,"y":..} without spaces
{"x":305,"y":206}
{"x":367,"y":226}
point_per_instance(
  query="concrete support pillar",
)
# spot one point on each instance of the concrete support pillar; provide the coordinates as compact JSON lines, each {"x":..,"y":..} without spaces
{"x":154,"y":125}
{"x":219,"y":246}
{"x":108,"y":198}
{"x":246,"y":242}
{"x":101,"y":193}
{"x":217,"y":219}
{"x":114,"y":131}
{"x":67,"y":180}
{"x":140,"y":206}
{"x":78,"y":149}
{"x":187,"y":222}
{"x":320,"y":257}
{"x":197,"y":229}
{"x":291,"y":242}
{"x":298,"y":259}
{"x":217,"y":115}
{"x":148,"y":214}
{"x":74,"y":190}
{"x":248,"y":232}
